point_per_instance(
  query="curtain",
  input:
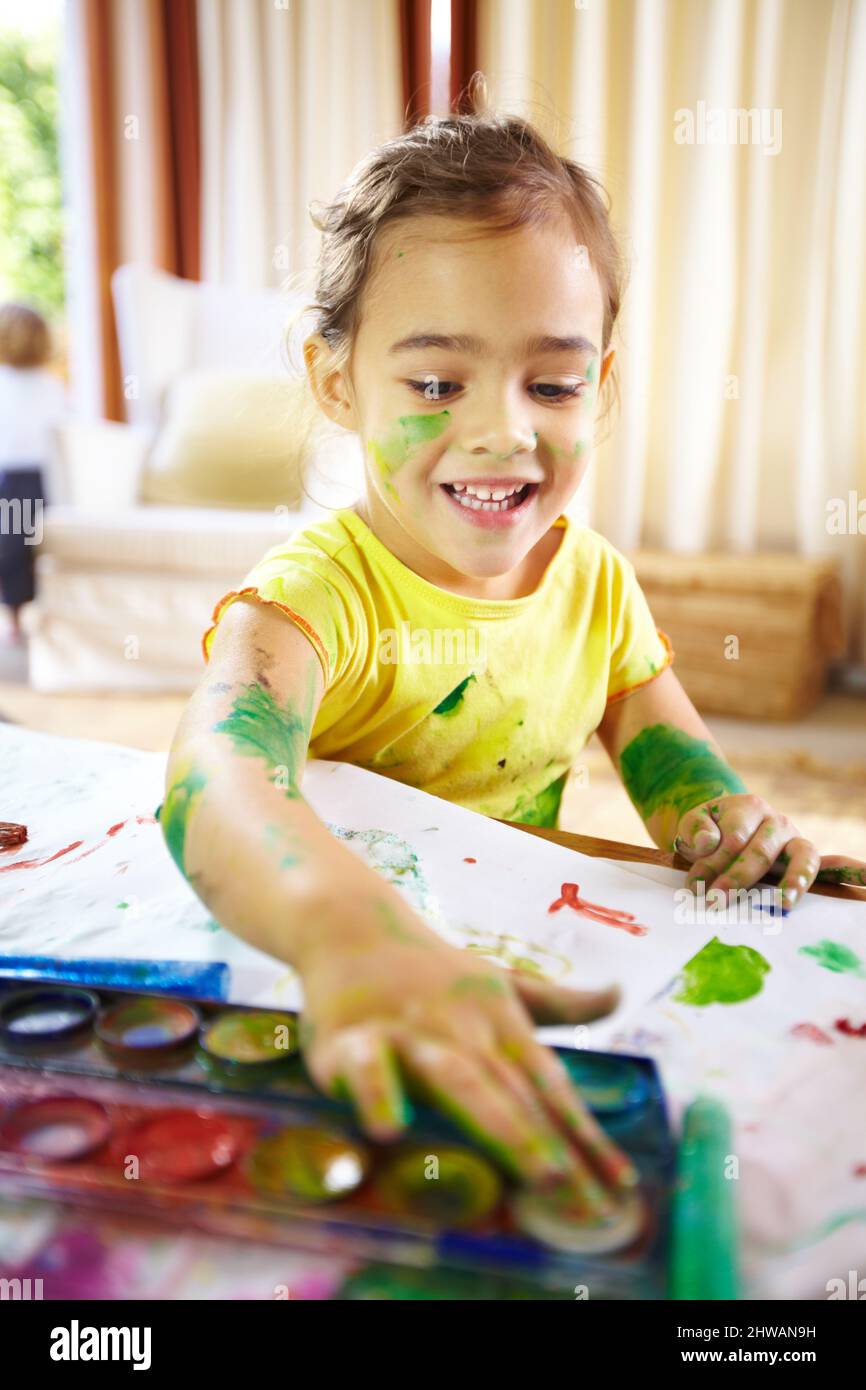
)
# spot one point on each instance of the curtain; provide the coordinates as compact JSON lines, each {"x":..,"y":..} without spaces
{"x":293,"y":94}
{"x":130,"y":132}
{"x":415,"y":59}
{"x":742,"y":341}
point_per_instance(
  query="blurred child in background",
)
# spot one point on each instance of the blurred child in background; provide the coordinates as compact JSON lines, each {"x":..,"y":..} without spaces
{"x":32,"y":403}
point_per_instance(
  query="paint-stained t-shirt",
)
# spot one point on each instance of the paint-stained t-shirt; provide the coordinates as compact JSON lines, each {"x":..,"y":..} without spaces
{"x":485,"y":702}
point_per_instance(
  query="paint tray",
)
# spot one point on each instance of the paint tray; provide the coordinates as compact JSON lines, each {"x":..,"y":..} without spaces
{"x":178,"y":1111}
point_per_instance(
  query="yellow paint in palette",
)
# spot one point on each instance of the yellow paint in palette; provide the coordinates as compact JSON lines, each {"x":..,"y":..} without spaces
{"x":250,"y":1038}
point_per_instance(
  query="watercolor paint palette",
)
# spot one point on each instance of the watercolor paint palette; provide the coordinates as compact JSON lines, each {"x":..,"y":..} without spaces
{"x":200,"y":1115}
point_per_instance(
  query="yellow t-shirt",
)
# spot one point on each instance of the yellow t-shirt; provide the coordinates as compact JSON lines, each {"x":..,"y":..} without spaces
{"x":485,"y":702}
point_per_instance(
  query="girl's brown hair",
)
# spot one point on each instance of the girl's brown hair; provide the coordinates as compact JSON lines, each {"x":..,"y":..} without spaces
{"x":495,"y":169}
{"x":25,"y":339}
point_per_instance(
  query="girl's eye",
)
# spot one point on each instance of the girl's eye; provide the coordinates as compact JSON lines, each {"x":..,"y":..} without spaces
{"x":551,"y":391}
{"x":433,"y":389}
{"x":438,"y":389}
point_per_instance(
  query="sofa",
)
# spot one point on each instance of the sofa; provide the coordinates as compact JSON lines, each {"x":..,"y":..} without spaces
{"x":126,"y":584}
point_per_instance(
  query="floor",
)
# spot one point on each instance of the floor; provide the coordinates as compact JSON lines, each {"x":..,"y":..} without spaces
{"x":813,"y":769}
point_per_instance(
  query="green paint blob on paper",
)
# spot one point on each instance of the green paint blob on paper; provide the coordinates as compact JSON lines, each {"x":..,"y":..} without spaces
{"x":832,"y":955}
{"x":721,"y":974}
{"x":452,"y":702}
{"x":664,"y":766}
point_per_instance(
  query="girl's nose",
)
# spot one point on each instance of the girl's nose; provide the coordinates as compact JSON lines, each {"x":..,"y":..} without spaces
{"x":500,"y":439}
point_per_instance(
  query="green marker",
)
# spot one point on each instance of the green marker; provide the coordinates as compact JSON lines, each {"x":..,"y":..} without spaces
{"x":704,"y":1236}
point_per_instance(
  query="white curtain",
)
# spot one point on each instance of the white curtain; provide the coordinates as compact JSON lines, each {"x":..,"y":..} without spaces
{"x":742,"y":342}
{"x":294,"y":92}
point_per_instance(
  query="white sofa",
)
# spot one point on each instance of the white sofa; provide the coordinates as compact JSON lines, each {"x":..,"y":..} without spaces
{"x":124,"y":588}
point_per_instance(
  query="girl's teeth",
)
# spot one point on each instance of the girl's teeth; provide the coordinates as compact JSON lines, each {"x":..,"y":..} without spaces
{"x":501,"y":500}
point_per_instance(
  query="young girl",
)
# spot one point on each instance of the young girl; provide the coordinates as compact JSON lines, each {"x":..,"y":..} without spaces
{"x":467,"y":292}
{"x":32,"y":403}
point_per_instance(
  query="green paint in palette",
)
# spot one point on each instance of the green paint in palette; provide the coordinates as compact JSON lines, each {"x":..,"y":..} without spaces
{"x":721,"y":974}
{"x":250,"y":1038}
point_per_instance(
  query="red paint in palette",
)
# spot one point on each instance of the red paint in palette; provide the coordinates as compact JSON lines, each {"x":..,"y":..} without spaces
{"x":610,"y":916}
{"x":185,"y":1145}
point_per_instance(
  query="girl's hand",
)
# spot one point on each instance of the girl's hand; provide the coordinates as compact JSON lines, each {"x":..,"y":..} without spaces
{"x":733,"y":841}
{"x":389,"y":1005}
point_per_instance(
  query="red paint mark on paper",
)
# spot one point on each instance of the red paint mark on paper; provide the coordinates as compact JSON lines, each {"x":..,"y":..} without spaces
{"x":38,"y":863}
{"x":860,"y":1170}
{"x":470,"y":861}
{"x":76,"y":844}
{"x":851,"y":1030}
{"x":610,"y":916}
{"x":812,"y":1032}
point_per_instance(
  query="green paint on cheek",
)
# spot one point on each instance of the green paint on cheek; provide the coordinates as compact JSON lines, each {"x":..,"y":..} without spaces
{"x":721,"y":974}
{"x":663,"y":766}
{"x":180,"y":802}
{"x":408,"y":434}
{"x":260,"y":728}
{"x":452,"y":702}
{"x":592,"y":369}
{"x":833,"y":956}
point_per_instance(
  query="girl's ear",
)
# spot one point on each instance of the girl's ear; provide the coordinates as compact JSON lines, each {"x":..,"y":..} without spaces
{"x":606,"y":364}
{"x":328,"y":382}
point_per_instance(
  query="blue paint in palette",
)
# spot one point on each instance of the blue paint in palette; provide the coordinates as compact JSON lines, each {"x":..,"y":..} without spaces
{"x":202,"y":979}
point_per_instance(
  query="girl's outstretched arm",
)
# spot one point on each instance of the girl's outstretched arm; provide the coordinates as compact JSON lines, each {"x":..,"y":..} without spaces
{"x":389,"y":1005}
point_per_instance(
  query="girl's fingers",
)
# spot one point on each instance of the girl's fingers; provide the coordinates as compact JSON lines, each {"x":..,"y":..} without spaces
{"x":739,"y":819}
{"x":358,"y":1064}
{"x":698,"y":832}
{"x":584,"y":1182}
{"x":761,"y":852}
{"x":836,"y":868}
{"x":461,"y":1087}
{"x":548,"y":1002}
{"x":800,"y":871}
{"x":552,"y":1081}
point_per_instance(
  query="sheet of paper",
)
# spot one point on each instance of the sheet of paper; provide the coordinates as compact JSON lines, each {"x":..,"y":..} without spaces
{"x":764,"y":1012}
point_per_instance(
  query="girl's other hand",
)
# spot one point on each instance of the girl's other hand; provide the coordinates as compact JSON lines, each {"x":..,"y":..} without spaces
{"x":734,"y":841}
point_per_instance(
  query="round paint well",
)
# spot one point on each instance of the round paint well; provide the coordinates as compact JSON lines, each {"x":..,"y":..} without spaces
{"x":33,"y":1017}
{"x":250,"y":1038}
{"x":57,"y":1129}
{"x":312,"y":1165}
{"x":184,"y":1145}
{"x":608,"y":1085}
{"x":558,"y":1223}
{"x":147,"y":1027}
{"x":450,"y":1187}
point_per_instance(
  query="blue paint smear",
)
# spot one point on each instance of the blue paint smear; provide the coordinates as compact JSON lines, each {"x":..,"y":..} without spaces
{"x":205,"y":979}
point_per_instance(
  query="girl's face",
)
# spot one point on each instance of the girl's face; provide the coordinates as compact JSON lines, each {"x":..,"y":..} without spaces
{"x":473,"y":383}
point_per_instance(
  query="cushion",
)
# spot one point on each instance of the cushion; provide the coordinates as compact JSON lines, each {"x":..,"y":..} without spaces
{"x":230,"y":439}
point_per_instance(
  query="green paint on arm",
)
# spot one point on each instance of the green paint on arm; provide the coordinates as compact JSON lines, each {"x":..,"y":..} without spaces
{"x":452,"y":702}
{"x":260,"y":728}
{"x":664,"y":766}
{"x":721,"y":974}
{"x":834,"y":956}
{"x":180,"y":802}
